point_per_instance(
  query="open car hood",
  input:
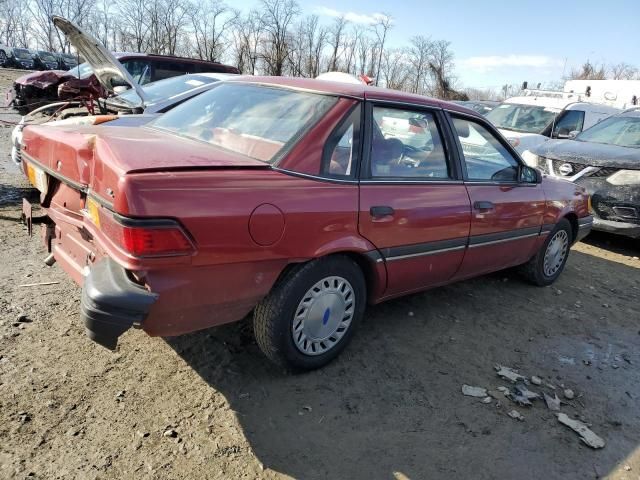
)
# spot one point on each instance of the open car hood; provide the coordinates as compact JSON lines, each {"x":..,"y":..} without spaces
{"x":107,"y":69}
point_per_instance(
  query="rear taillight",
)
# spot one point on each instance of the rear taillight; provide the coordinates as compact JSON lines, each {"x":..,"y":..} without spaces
{"x":140,"y":237}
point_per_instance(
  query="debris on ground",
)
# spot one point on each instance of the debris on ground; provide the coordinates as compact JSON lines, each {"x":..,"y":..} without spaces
{"x":535,"y":380}
{"x":553,"y":403}
{"x":509,"y":374}
{"x":516,"y":415}
{"x":470,"y":391}
{"x":487,"y":399}
{"x":586,"y":434}
{"x":170,"y":433}
{"x":568,"y":394}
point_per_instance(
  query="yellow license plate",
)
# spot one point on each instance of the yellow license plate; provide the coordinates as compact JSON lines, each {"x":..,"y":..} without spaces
{"x":37,"y":177}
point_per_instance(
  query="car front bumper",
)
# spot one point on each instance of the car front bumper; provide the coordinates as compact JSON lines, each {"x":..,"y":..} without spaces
{"x":112,"y":303}
{"x":585,"y":224}
{"x":620,"y":228}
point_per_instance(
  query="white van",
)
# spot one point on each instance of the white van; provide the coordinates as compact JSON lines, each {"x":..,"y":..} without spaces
{"x":529,"y":121}
{"x":616,"y":93}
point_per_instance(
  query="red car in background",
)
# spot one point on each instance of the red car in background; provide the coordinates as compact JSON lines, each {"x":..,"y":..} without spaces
{"x":300,"y":200}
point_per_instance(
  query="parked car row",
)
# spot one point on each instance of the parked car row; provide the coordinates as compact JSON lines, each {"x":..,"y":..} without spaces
{"x":27,"y":59}
{"x":300,"y":200}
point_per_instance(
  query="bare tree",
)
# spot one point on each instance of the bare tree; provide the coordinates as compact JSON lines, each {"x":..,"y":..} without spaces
{"x":277,"y":16}
{"x":211,"y":23}
{"x":420,"y":51}
{"x":623,"y":71}
{"x":394,"y":69}
{"x":441,"y":67}
{"x":381,"y":28}
{"x":589,"y":71}
{"x":246,"y":39}
{"x":335,"y":35}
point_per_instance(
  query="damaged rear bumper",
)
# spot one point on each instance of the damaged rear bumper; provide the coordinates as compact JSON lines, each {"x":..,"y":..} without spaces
{"x":112,"y":303}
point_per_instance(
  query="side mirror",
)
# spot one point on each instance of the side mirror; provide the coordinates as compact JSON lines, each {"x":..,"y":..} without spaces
{"x":528,"y":174}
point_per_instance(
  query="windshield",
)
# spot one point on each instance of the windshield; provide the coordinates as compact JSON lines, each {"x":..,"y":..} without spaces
{"x":83,"y":70}
{"x":522,"y":118}
{"x":21,"y":53}
{"x":46,"y":56}
{"x":256,"y":121}
{"x":622,"y":131}
{"x":165,"y":89}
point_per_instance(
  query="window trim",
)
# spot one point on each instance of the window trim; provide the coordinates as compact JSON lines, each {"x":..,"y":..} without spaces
{"x":441,"y":125}
{"x":334,"y":138}
{"x":450,"y":114}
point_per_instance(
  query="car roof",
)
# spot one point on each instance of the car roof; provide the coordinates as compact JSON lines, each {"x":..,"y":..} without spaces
{"x":560,"y":103}
{"x":168,"y":57}
{"x":353,"y":90}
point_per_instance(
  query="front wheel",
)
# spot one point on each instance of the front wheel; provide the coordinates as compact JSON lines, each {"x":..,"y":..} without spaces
{"x":547,"y":265}
{"x":310,"y":315}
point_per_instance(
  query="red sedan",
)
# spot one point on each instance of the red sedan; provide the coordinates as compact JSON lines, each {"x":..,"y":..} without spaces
{"x":300,"y":200}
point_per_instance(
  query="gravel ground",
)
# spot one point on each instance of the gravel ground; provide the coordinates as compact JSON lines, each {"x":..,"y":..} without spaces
{"x":208,"y":405}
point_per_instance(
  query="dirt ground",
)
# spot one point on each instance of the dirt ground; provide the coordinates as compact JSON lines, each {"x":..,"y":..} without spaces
{"x":390,"y":407}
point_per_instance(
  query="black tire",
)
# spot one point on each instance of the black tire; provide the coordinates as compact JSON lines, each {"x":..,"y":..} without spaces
{"x":3,"y":58}
{"x":274,"y":316}
{"x":534,"y":271}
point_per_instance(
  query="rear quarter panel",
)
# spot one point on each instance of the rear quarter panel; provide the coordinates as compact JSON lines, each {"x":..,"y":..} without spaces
{"x":248,"y":225}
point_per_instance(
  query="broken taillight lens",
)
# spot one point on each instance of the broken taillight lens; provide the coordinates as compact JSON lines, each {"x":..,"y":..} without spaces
{"x":141,"y":237}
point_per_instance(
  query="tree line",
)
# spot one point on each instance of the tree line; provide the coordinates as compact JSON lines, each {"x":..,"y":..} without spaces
{"x":273,"y":38}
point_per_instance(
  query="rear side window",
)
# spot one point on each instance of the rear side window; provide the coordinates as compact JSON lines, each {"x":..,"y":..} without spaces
{"x":485,"y":158}
{"x":340,"y":154}
{"x":167,"y":69}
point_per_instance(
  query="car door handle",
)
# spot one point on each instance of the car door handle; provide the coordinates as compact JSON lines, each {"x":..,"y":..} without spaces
{"x":381,"y":211}
{"x":483,"y":205}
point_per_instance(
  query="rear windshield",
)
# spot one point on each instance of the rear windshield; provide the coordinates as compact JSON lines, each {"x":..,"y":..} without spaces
{"x":253,"y":120}
{"x":522,"y":118}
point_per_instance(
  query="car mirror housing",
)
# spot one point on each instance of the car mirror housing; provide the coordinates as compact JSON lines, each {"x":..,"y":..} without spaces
{"x":573,"y":134}
{"x":528,"y":174}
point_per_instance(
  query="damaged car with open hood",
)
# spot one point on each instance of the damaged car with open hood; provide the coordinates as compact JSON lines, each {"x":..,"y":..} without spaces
{"x":605,"y":160}
{"x":135,"y":105}
{"x":80,"y":83}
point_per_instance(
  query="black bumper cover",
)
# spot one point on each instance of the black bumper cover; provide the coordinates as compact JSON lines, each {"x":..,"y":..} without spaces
{"x":112,"y":303}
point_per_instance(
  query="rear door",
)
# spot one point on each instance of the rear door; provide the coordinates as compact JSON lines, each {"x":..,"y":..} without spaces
{"x":506,"y":216}
{"x":413,"y":204}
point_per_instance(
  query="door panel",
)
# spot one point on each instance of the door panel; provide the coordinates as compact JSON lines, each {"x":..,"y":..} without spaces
{"x":506,"y":216}
{"x":423,"y":241}
{"x":506,"y":234}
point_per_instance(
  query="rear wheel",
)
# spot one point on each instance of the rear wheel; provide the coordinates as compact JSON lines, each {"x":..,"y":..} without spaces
{"x":310,"y":315}
{"x":3,"y":58}
{"x":547,"y":265}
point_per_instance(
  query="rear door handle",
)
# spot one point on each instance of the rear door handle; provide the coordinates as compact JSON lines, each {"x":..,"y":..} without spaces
{"x":483,"y":205}
{"x":381,"y":211}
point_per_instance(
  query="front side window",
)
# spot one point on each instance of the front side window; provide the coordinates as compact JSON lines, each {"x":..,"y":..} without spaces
{"x":486,"y":159}
{"x":406,"y":144}
{"x":257,"y":121}
{"x":569,"y":121}
{"x":522,"y":118}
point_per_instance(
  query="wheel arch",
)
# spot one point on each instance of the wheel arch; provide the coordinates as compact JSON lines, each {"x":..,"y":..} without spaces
{"x":370,"y":263}
{"x":573,"y":220}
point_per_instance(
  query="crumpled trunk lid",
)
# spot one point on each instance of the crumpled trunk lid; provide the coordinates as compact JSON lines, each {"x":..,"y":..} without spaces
{"x":98,"y":157}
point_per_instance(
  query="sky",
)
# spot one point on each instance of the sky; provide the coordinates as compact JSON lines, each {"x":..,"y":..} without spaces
{"x":498,"y":42}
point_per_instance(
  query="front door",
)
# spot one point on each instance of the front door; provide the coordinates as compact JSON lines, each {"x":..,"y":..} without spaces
{"x":506,"y":214}
{"x":414,"y":206}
